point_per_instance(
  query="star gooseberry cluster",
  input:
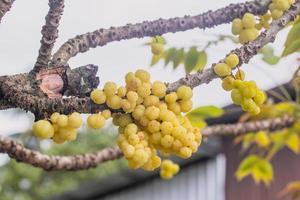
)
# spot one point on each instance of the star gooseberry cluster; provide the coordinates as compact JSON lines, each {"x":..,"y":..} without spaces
{"x":60,"y":128}
{"x":248,"y":27}
{"x":168,"y":169}
{"x":150,"y":119}
{"x":244,"y":93}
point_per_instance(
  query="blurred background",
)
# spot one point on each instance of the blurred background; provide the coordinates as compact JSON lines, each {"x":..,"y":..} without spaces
{"x":19,"y":44}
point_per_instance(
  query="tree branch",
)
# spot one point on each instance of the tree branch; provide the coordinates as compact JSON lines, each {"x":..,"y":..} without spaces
{"x":245,"y":52}
{"x":246,"y":127}
{"x":101,"y":37}
{"x":49,"y":33}
{"x":79,"y":162}
{"x":5,"y":6}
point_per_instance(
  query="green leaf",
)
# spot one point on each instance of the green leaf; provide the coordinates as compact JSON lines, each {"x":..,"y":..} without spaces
{"x":268,"y":55}
{"x":271,"y":59}
{"x":264,"y":171}
{"x":293,"y":142}
{"x":191,"y":59}
{"x":202,"y":60}
{"x":178,"y":58}
{"x":197,"y":122}
{"x":292,"y":48}
{"x":205,"y":112}
{"x":246,"y":166}
{"x":293,"y":35}
{"x":248,"y":139}
{"x":260,"y":169}
{"x":170,"y":54}
{"x":155,"y":59}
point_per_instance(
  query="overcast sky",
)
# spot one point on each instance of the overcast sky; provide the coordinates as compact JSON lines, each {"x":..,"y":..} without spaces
{"x":20,"y":36}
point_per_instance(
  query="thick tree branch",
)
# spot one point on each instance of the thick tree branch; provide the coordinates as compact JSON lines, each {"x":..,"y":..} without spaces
{"x":78,"y":162}
{"x":101,"y":37}
{"x":246,"y":127}
{"x":5,"y":6}
{"x":49,"y":33}
{"x":245,"y":52}
{"x":47,"y":162}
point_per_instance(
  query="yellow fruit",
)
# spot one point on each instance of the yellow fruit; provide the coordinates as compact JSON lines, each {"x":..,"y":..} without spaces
{"x":54,"y":117}
{"x":132,"y":96}
{"x":185,"y":152}
{"x":276,"y":14}
{"x":123,"y":120}
{"x":237,"y":26}
{"x":167,"y":141}
{"x":138,"y":112}
{"x":67,"y":134}
{"x":248,"y":35}
{"x":110,"y":88}
{"x":157,"y":48}
{"x":227,"y":83}
{"x":248,"y":21}
{"x":143,"y":91}
{"x":62,"y":120}
{"x":240,"y":75}
{"x":130,"y":129}
{"x":114,"y":102}
{"x":282,"y":5}
{"x":128,"y":151}
{"x":151,"y":101}
{"x":222,"y":69}
{"x":184,"y":92}
{"x":166,"y":128}
{"x":174,"y":107}
{"x":96,"y":121}
{"x":129,"y":77}
{"x":121,"y":91}
{"x":134,"y":84}
{"x":106,"y":114}
{"x":98,"y":96}
{"x":171,"y":97}
{"x":166,"y":175}
{"x":260,"y":97}
{"x":43,"y":129}
{"x":75,"y":120}
{"x":232,"y":60}
{"x":57,"y":139}
{"x":152,"y":112}
{"x":159,"y":89}
{"x":143,"y":75}
{"x":186,"y":106}
{"x":236,"y":96}
{"x":153,"y":126}
{"x":125,"y":105}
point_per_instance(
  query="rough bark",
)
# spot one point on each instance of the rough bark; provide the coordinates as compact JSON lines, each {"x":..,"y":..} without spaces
{"x":101,"y":37}
{"x":49,"y":33}
{"x":246,"y":127}
{"x":79,"y":162}
{"x":21,"y":91}
{"x":5,"y":6}
{"x":48,"y":162}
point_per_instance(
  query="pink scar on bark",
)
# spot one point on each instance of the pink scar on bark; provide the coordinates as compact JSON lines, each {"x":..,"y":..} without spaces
{"x":51,"y":83}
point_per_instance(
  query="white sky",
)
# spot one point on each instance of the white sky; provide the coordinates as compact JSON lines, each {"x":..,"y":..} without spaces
{"x":20,"y":36}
